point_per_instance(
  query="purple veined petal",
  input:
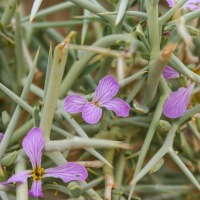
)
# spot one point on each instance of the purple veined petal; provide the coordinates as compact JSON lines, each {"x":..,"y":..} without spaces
{"x":106,"y":89}
{"x":36,"y":189}
{"x":1,"y":136}
{"x":20,"y":177}
{"x":91,"y":113}
{"x":171,"y":3}
{"x":177,"y":103}
{"x":33,"y":145}
{"x":74,"y":103}
{"x":67,"y":172}
{"x":169,"y":72}
{"x":120,"y":107}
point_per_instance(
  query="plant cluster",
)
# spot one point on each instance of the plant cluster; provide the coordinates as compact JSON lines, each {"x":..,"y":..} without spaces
{"x":102,"y":103}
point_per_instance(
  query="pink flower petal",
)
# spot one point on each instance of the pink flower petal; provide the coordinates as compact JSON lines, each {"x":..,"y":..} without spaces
{"x":36,"y":189}
{"x":171,"y":3}
{"x":74,"y":103}
{"x":33,"y":145}
{"x":191,"y":4}
{"x":106,"y":89}
{"x":120,"y":107}
{"x":177,"y":103}
{"x":67,"y":172}
{"x":91,"y":113}
{"x":1,"y":136}
{"x":169,"y":72}
{"x":20,"y":177}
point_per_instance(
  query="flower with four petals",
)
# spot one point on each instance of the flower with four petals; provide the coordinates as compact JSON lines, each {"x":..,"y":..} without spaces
{"x":103,"y":97}
{"x":33,"y":145}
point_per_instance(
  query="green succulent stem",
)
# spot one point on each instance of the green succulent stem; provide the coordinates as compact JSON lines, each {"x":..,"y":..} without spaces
{"x":57,"y":70}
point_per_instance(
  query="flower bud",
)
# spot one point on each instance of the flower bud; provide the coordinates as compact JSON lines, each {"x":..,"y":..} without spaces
{"x":5,"y":118}
{"x":163,"y":126}
{"x":157,"y":166}
{"x":141,"y":108}
{"x":2,"y":174}
{"x":9,"y":159}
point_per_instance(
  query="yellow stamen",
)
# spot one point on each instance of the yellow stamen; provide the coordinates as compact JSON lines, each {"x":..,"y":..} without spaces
{"x":37,"y":173}
{"x":95,"y":103}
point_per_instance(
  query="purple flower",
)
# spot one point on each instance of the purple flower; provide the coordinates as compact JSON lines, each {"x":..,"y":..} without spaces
{"x":33,"y":145}
{"x":190,"y":4}
{"x":103,"y":97}
{"x":177,"y":103}
{"x":169,"y":72}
